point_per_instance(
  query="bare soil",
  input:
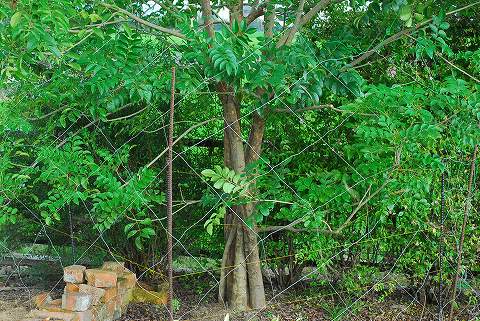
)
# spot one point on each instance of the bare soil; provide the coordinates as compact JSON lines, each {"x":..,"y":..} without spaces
{"x":195,"y":300}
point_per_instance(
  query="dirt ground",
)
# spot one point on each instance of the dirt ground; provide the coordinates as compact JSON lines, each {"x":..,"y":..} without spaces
{"x":194,"y":301}
{"x":14,"y":311}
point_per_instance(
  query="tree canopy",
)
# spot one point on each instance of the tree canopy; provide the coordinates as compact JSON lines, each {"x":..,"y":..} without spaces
{"x":302,"y":129}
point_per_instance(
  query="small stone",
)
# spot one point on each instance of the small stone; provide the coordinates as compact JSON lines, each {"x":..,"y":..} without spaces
{"x":74,"y":273}
{"x":41,"y":299}
{"x":76,"y":301}
{"x":96,"y":293}
{"x":101,"y":278}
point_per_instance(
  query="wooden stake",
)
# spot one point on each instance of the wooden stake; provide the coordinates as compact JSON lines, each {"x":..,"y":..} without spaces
{"x":170,"y":201}
{"x":462,"y":235}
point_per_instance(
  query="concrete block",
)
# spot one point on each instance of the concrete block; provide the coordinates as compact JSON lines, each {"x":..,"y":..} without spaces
{"x":74,"y":273}
{"x":76,"y":301}
{"x":101,"y":278}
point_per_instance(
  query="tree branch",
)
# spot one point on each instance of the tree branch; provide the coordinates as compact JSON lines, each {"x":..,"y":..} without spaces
{"x":257,"y":12}
{"x":96,"y":25}
{"x":458,"y":68}
{"x":169,"y":31}
{"x":170,"y":8}
{"x":399,"y":34}
{"x":291,"y":227}
{"x":178,"y":139}
{"x":46,"y":115}
{"x":127,"y":116}
{"x":319,"y":107}
{"x":207,"y":17}
{"x":314,"y":11}
{"x":301,"y":20}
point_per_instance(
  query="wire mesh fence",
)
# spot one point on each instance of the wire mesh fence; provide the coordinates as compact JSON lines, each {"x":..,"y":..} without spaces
{"x":350,"y":263}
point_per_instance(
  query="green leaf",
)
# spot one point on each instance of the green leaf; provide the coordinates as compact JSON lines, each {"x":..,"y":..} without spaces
{"x":218,"y":184}
{"x":128,"y":227}
{"x":228,"y":187}
{"x":131,"y":233}
{"x":75,"y":66}
{"x":99,"y":33}
{"x":55,"y":51}
{"x":148,"y":231}
{"x":138,"y":243}
{"x":405,"y":13}
{"x":235,"y":26}
{"x":210,"y":229}
{"x":208,"y":173}
{"x":15,"y":19}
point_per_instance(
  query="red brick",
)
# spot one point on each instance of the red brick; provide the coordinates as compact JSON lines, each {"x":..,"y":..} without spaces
{"x":96,"y":293}
{"x":113,"y":266}
{"x":73,"y":273}
{"x":126,"y":280}
{"x":85,"y":315}
{"x":41,"y":299}
{"x":71,"y":287}
{"x":101,"y":313}
{"x":110,"y":295}
{"x":110,"y":309}
{"x":101,"y":278}
{"x":55,"y":305}
{"x":65,"y":316}
{"x":76,"y":301}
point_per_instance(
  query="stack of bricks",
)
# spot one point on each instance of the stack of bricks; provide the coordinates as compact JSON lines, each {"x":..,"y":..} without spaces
{"x":89,"y":295}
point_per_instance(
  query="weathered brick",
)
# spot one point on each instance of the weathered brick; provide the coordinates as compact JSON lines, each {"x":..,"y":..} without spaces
{"x":85,"y":316}
{"x":54,"y":315}
{"x":74,"y":273}
{"x":101,"y":278}
{"x":110,"y":309}
{"x":126,"y":280}
{"x":96,"y":293}
{"x":41,"y":299}
{"x":113,"y":266}
{"x":110,"y":295}
{"x":71,"y":287}
{"x":101,"y":313}
{"x":54,"y":305}
{"x":127,"y":296}
{"x":76,"y":301}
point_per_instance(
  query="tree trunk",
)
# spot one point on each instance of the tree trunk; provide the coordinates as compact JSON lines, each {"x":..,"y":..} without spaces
{"x":241,"y":284}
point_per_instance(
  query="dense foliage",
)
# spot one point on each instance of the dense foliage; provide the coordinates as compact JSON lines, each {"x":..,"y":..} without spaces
{"x":349,"y":116}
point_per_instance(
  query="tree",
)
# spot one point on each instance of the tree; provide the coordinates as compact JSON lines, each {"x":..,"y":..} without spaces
{"x":93,"y":55}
